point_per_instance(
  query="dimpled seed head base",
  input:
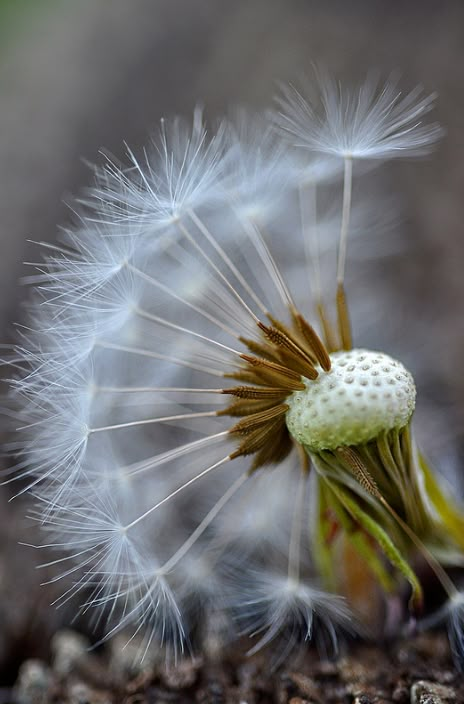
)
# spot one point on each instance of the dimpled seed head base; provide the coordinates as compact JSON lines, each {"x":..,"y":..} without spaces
{"x":364,"y":394}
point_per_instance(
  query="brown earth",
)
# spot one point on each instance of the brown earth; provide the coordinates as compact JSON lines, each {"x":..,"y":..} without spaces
{"x":415,"y":671}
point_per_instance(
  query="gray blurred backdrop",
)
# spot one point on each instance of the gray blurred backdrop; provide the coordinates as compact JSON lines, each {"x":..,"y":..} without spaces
{"x":78,"y":75}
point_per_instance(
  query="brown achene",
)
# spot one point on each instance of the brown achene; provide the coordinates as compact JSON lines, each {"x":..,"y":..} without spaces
{"x":282,"y":357}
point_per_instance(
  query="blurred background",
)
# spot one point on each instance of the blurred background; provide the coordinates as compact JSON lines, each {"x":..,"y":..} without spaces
{"x":79,"y":76}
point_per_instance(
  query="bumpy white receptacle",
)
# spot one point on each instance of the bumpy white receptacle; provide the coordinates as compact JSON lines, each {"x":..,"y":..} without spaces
{"x":364,"y":394}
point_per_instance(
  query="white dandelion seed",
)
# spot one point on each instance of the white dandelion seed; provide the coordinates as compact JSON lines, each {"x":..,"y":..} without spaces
{"x":372,"y":122}
{"x":279,"y":607}
{"x":456,"y":628}
{"x":451,"y":614}
{"x":180,"y":171}
{"x":168,"y":364}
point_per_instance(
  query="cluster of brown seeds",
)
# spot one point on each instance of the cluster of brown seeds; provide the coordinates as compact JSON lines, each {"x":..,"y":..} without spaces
{"x":278,"y":362}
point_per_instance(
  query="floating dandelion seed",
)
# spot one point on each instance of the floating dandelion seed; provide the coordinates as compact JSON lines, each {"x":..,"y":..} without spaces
{"x":185,"y":419}
{"x":371,"y":122}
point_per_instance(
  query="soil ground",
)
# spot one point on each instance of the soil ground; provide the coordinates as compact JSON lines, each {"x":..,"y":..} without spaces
{"x":414,"y":671}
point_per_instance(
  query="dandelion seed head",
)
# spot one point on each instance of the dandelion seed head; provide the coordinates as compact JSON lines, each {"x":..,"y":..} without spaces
{"x":178,"y":385}
{"x":364,"y":394}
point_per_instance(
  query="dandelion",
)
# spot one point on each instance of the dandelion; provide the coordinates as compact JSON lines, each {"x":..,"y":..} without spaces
{"x":203,"y":445}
